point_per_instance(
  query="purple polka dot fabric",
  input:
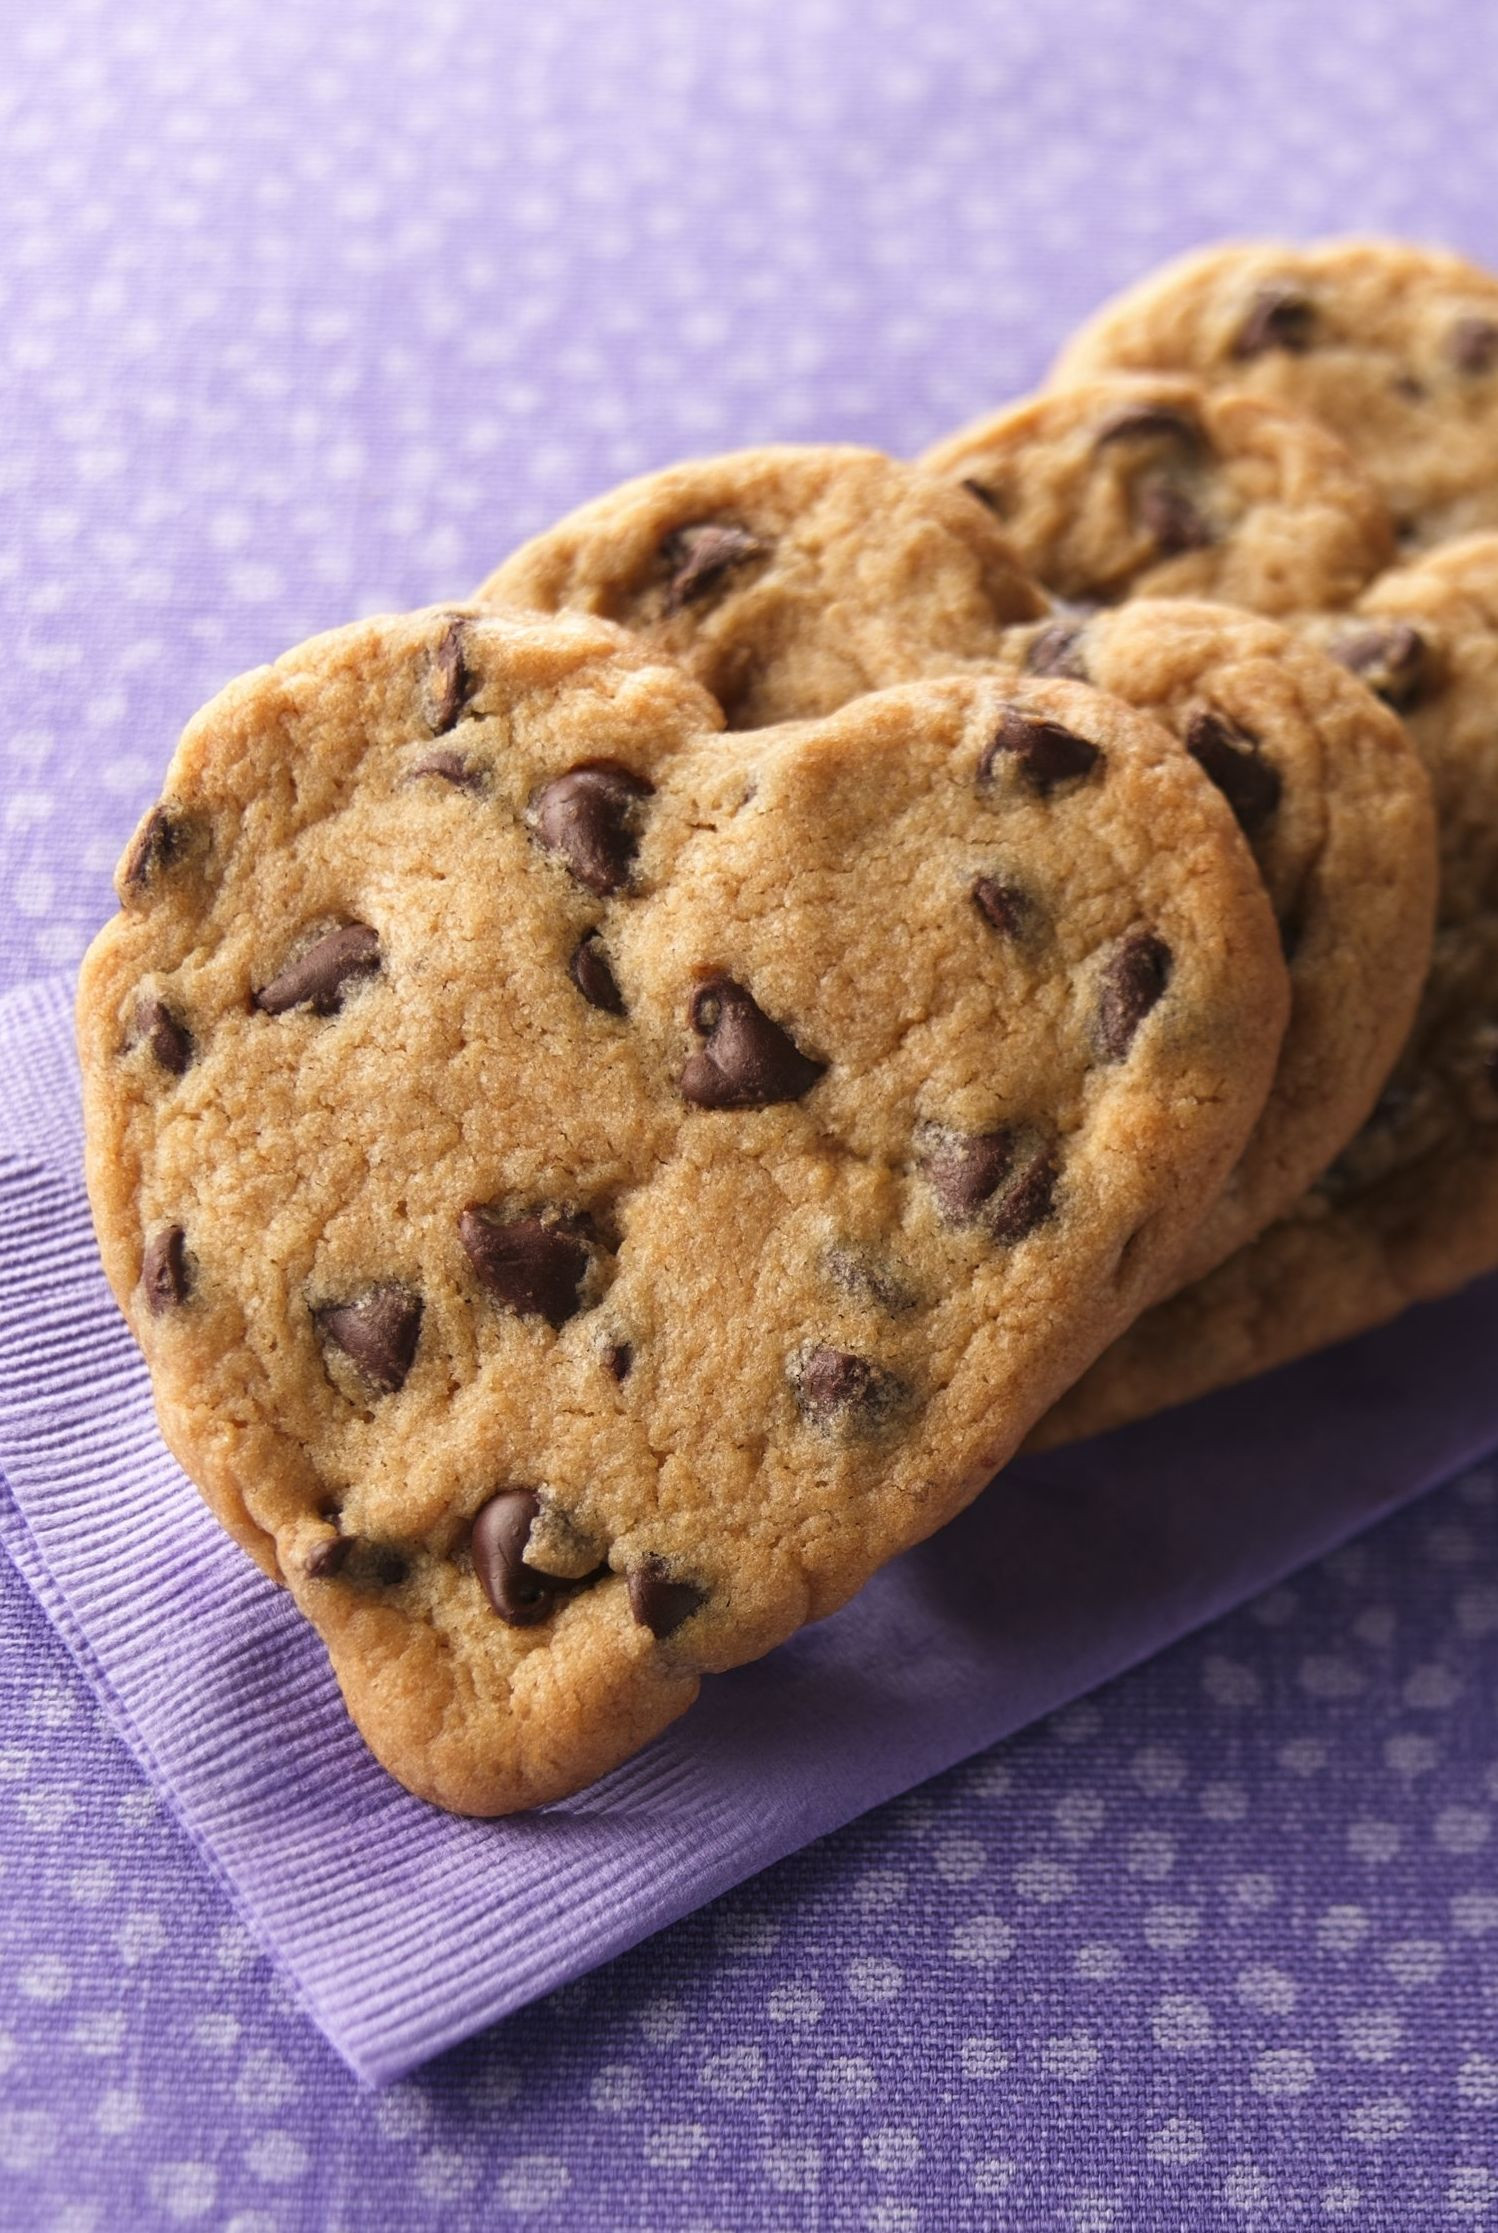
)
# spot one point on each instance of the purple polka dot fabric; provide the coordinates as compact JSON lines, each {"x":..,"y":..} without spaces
{"x":310,"y":311}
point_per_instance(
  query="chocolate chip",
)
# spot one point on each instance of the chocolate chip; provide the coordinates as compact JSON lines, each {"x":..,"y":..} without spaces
{"x":450,"y":767}
{"x":985,"y":496}
{"x":1170,"y":518}
{"x":327,"y":1558}
{"x":377,"y":1331}
{"x":1472,"y":345}
{"x":836,"y":1387}
{"x":698,"y":556}
{"x":160,"y":841}
{"x":1026,"y":1203}
{"x":617,"y":1359}
{"x":1232,"y":759}
{"x":501,"y":1530}
{"x":533,"y":1265}
{"x":965,"y":1168}
{"x":660,"y":1604}
{"x":450,"y":681}
{"x":169,"y":1040}
{"x":593,"y":977}
{"x":1390,"y":658}
{"x":1003,"y":905}
{"x":1045,"y":753}
{"x":871,"y":1278}
{"x":164,"y":1276}
{"x":386,"y":1565}
{"x":1280,"y":317}
{"x":748,"y":1061}
{"x":1057,"y":650}
{"x":1150,"y":422}
{"x":319,"y":977}
{"x":1134,"y":978}
{"x":588,"y":816}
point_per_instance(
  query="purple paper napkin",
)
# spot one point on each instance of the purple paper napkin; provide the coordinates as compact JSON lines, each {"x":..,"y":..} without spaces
{"x":404,"y":1929}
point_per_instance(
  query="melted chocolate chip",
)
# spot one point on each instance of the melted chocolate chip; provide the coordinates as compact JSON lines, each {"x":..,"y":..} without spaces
{"x":386,"y":1565}
{"x":617,"y":1359}
{"x":164,"y":1276}
{"x":501,"y":1530}
{"x":1150,"y":422}
{"x":1134,"y":978}
{"x":169,"y":1040}
{"x":1280,"y":317}
{"x":1390,"y":658}
{"x":1234,"y":762}
{"x":985,"y":496}
{"x":697,"y":558}
{"x":660,"y":1604}
{"x":319,"y":978}
{"x":327,"y":1558}
{"x":1170,"y":518}
{"x":377,"y":1331}
{"x":748,"y":1061}
{"x":1472,"y":346}
{"x":532,"y":1265}
{"x":450,"y":681}
{"x":1057,"y":650}
{"x":1003,"y":906}
{"x":835,"y":1385}
{"x":590,"y":972}
{"x":157,"y":845}
{"x":1026,"y":1203}
{"x":588,"y":816}
{"x":450,"y":767}
{"x":1045,"y":753}
{"x":965,"y":1168}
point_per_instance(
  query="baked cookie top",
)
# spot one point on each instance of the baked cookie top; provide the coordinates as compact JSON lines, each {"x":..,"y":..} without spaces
{"x":590,"y":1188}
{"x":1154,"y":485}
{"x":785,"y":580}
{"x":1409,"y":1210}
{"x":1332,"y":796}
{"x":1391,"y":346}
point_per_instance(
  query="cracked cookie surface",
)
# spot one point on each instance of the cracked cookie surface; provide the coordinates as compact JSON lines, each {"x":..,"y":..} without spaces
{"x":785,"y":580}
{"x":590,"y":1187}
{"x":1140,"y":486}
{"x":1393,"y":347}
{"x":1409,"y":1209}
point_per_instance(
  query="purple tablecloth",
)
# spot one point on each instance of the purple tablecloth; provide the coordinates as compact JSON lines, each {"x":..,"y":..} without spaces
{"x":309,"y":310}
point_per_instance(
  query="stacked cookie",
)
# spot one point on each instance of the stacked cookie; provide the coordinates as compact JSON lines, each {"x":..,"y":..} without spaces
{"x":614,"y":1109}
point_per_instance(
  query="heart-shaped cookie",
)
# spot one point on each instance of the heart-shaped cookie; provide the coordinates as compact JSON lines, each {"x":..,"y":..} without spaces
{"x":590,"y":1188}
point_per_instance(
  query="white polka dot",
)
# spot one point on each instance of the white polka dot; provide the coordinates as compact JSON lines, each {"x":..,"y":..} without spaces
{"x":277,"y":2157}
{"x":1150,"y":1854}
{"x":1248,"y":2190}
{"x":1267,"y":1989}
{"x":1072,"y":2055}
{"x":185,"y":2191}
{"x":1098,"y":1961}
{"x":1411,"y":1755}
{"x":795,"y":2004}
{"x":982,"y":1940}
{"x":1341,"y":2198}
{"x":1044,"y":1881}
{"x":993,"y":2174}
{"x":1374,"y":1842}
{"x":1303,"y":1756}
{"x":1078,"y":1817}
{"x":402,"y":2112}
{"x":1158,"y":1770}
{"x":1224,"y":1802}
{"x":747,"y":1937}
{"x":893,"y":2149}
{"x":140,"y":1938}
{"x":794,"y":2166}
{"x":533,"y":2183}
{"x":1178,"y":2140}
{"x":1373,"y":2034}
{"x":990,"y":1779}
{"x":847,"y":2078}
{"x":873,"y":1978}
{"x":101,"y":2034}
{"x":617,"y":2088}
{"x":1182,"y":2025}
{"x":1475,"y":1914}
{"x":1373,"y":2122}
{"x":218,"y":2031}
{"x":735,"y":2073}
{"x":1322,"y":1676}
{"x":1342,"y":1929}
{"x":1472,"y":2189}
{"x":91,"y":1885}
{"x":1415,"y":1961}
{"x":119,"y":2112}
{"x":879,"y":1890}
{"x":984,"y":2058}
{"x":661,"y":2021}
{"x":1283,"y":2071}
{"x":1433,"y":1688}
{"x":446,"y":2174}
{"x":674,"y":2147}
{"x":1256,"y":1891}
{"x":959,"y":1860}
{"x":236,"y":1950}
{"x":1477,"y":2081}
{"x":1170,"y":1928}
{"x":28,"y":2138}
{"x":1463,"y":1829}
{"x":1228,"y":1682}
{"x":46,"y":1978}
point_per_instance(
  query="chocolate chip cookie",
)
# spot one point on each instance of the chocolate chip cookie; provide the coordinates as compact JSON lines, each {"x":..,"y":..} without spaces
{"x":1333,"y":798}
{"x":785,"y":580}
{"x":589,"y":1188}
{"x":1409,"y":1210}
{"x":1157,"y":486}
{"x":1393,"y":347}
